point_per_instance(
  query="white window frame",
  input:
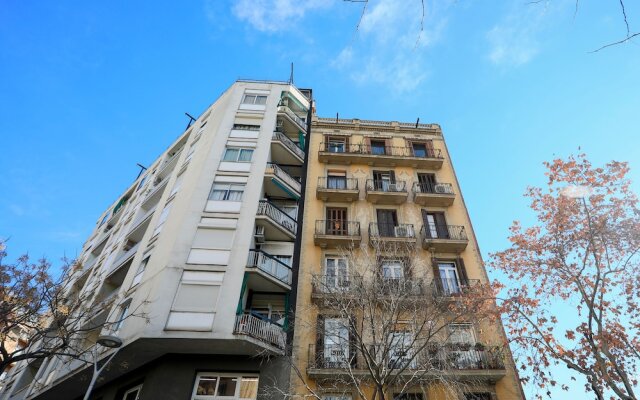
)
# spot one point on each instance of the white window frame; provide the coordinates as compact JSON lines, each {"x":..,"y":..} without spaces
{"x":135,"y":389}
{"x":336,"y":346}
{"x":227,"y":190}
{"x":218,"y":375}
{"x":392,"y":269}
{"x":238,"y":158}
{"x":255,"y":99}
{"x":123,"y":313}
{"x":339,"y":276}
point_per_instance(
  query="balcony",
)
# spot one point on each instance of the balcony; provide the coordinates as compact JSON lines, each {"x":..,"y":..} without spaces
{"x":385,"y":192}
{"x":277,"y":224}
{"x":285,"y":150}
{"x":291,"y":121}
{"x":444,"y":238}
{"x":475,"y":363}
{"x":388,"y":156}
{"x":434,"y":195}
{"x":337,"y":189}
{"x":336,"y":233}
{"x":451,"y":287}
{"x":398,"y":235}
{"x":277,"y":182}
{"x":267,"y":265}
{"x":325,"y":288}
{"x":264,"y":331}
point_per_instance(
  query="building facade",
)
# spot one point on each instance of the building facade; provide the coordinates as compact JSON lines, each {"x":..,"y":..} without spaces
{"x":376,"y":190}
{"x":192,"y":266}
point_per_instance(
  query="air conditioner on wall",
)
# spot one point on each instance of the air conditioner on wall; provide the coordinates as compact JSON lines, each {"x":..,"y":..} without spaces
{"x":401,"y":231}
{"x":439,"y":189}
{"x":259,"y":235}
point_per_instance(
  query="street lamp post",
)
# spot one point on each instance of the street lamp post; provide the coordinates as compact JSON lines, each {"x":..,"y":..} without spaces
{"x":112,"y":342}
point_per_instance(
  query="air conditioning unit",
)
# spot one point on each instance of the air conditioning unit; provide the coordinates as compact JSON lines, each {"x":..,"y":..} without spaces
{"x":439,"y":189}
{"x":401,"y":231}
{"x":259,"y":235}
{"x":393,"y":187}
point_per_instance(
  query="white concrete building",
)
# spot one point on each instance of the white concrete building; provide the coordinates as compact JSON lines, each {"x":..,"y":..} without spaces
{"x":203,"y":244}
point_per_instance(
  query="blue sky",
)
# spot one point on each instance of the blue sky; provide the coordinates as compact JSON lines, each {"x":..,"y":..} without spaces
{"x":87,"y":90}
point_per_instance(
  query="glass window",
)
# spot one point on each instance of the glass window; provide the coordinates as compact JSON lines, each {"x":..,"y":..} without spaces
{"x":336,"y":145}
{"x":419,"y":150}
{"x":243,"y":127}
{"x":207,"y":385}
{"x":377,"y":147}
{"x":213,"y":386}
{"x":254,"y":99}
{"x":227,"y":191}
{"x":392,"y":269}
{"x":227,"y":386}
{"x":122,"y":315}
{"x":237,"y":155}
{"x":248,"y":388}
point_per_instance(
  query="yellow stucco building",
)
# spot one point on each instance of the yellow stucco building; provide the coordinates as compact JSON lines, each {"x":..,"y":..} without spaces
{"x":372,"y":188}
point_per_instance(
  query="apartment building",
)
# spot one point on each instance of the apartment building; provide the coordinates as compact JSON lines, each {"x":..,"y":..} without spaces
{"x":378,"y":189}
{"x":192,"y":265}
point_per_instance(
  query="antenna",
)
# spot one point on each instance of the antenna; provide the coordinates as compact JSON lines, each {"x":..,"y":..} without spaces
{"x":417,"y":122}
{"x":291,"y":75}
{"x":337,"y":118}
{"x":142,"y":169}
{"x":191,"y":120}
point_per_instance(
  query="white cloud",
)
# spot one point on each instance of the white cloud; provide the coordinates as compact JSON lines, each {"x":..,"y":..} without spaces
{"x":389,"y":48}
{"x":275,"y":15}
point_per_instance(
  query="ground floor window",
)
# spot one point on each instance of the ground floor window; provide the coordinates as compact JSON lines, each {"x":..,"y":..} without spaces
{"x":217,"y":386}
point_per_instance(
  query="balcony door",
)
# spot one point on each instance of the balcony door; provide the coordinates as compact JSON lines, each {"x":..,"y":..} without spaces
{"x":337,"y":180}
{"x":337,"y":221}
{"x":336,"y":145}
{"x":435,"y":225}
{"x":336,"y":272}
{"x":336,"y":342}
{"x":463,"y":338}
{"x":400,"y":350}
{"x":383,"y":179}
{"x":422,"y":149}
{"x":378,"y":147}
{"x":387,"y":221}
{"x":449,"y":278}
{"x":427,"y":183}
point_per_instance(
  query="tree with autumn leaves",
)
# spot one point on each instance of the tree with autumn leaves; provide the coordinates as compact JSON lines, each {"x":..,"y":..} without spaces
{"x":582,"y":255}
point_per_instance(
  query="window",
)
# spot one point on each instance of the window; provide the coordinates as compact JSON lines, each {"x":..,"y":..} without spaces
{"x":122,"y":315}
{"x":435,"y":225}
{"x":427,"y":183}
{"x":461,"y":334}
{"x":336,"y":272}
{"x":227,"y":191}
{"x":336,"y":342}
{"x":336,"y":180}
{"x":400,"y":350}
{"x":106,"y":217}
{"x":177,"y":185}
{"x":387,"y":222}
{"x":384,"y":181}
{"x":378,"y":147}
{"x":419,"y":149}
{"x":162,"y":219}
{"x":337,"y":221}
{"x":144,"y":178}
{"x":214,"y":386}
{"x":235,"y":154}
{"x":254,"y":99}
{"x":138,"y":276}
{"x":244,"y":127}
{"x":392,"y":269}
{"x":336,"y":145}
{"x":133,"y":393}
{"x":449,"y":279}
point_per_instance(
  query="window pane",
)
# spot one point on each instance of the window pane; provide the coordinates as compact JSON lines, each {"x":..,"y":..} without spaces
{"x":245,"y":155}
{"x":249,"y":98}
{"x":227,"y":386}
{"x":207,"y":385}
{"x":235,"y":195}
{"x":261,"y":100}
{"x":231,"y":155}
{"x":249,"y":388}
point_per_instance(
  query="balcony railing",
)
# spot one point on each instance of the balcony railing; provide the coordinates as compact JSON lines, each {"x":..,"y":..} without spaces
{"x":466,"y":357}
{"x":447,"y":232}
{"x":277,"y":215}
{"x":448,"y":287}
{"x":337,"y":227}
{"x":269,"y":264}
{"x":337,"y":183}
{"x":302,"y":124}
{"x":281,"y":174}
{"x":265,"y":331}
{"x":363,"y":148}
{"x":329,"y":284}
{"x":374,"y":185}
{"x":332,"y":356}
{"x":378,"y":229}
{"x":288,"y":143}
{"x":433,"y":188}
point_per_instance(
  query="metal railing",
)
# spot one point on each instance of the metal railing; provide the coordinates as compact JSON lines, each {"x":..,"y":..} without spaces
{"x":375,"y":185}
{"x":283,"y":219}
{"x":302,"y":124}
{"x":337,"y":227}
{"x":332,"y":356}
{"x":328,"y":284}
{"x":280,"y":173}
{"x":378,"y":229}
{"x":363,"y":148}
{"x":438,"y":231}
{"x":453,"y":286}
{"x":288,"y":143}
{"x":269,"y":264}
{"x":265,"y":331}
{"x":466,"y":357}
{"x":433,"y":188}
{"x":337,"y":183}
{"x":401,"y":286}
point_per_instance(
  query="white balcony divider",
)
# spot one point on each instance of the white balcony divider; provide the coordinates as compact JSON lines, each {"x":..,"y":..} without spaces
{"x":247,"y":324}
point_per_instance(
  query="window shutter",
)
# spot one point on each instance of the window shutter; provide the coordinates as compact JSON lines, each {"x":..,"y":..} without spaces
{"x":430,"y":150}
{"x":462,"y":271}
{"x":441,"y":226}
{"x":367,"y":144}
{"x":392,"y":175}
{"x":319,"y":342}
{"x":388,"y":146}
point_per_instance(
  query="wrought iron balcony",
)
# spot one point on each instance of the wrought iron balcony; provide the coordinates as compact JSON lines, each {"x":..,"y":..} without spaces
{"x":336,"y":188}
{"x":391,"y":234}
{"x":385,"y":192}
{"x":444,"y":238}
{"x":451,"y":287}
{"x":332,"y":356}
{"x":337,"y":233}
{"x":433,"y":194}
{"x":362,"y":153}
{"x":270,"y":265}
{"x":264,"y":331}
{"x":466,"y":357}
{"x":335,"y":284}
